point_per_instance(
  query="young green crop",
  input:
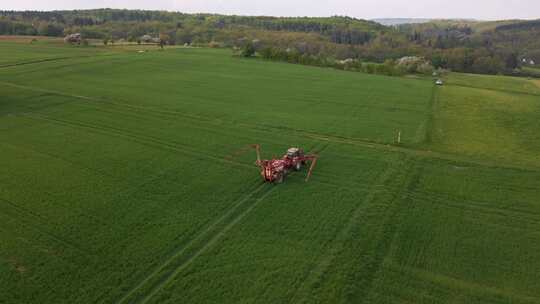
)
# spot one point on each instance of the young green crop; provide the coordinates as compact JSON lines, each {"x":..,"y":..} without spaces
{"x":129,"y":178}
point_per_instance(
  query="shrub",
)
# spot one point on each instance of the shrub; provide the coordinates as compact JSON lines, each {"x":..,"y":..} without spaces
{"x":214,"y":45}
{"x":248,"y":50}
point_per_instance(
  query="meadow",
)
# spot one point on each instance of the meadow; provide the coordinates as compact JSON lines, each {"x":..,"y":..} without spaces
{"x":488,"y":117}
{"x":127,"y":177}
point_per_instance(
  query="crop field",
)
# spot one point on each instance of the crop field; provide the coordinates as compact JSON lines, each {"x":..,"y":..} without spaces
{"x":127,"y":177}
{"x":484,"y":122}
{"x":22,"y":50}
{"x":532,"y":71}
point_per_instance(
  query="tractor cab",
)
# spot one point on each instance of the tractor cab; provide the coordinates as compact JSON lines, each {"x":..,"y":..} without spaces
{"x":275,"y":170}
{"x":294,"y":152}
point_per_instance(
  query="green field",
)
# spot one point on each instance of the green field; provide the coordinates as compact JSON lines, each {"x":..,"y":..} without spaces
{"x":532,"y":71}
{"x":489,"y":117}
{"x":127,"y":177}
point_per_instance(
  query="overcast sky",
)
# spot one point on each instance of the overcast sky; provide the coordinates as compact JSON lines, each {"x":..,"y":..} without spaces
{"x":366,"y":9}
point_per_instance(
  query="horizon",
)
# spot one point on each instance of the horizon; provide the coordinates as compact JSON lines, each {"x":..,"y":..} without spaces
{"x":274,"y":16}
{"x":368,"y":10}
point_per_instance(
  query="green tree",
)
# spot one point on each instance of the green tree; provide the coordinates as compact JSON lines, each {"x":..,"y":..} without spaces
{"x":163,"y":39}
{"x":248,"y":50}
{"x":266,"y":53}
{"x":438,"y":61}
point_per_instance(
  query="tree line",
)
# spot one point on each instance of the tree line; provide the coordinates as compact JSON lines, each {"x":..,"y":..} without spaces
{"x":503,"y":48}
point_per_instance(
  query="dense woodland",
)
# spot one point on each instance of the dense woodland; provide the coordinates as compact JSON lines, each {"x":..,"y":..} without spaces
{"x":508,"y":47}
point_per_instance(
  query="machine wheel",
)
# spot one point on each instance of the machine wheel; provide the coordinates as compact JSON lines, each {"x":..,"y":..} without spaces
{"x":298,"y":166}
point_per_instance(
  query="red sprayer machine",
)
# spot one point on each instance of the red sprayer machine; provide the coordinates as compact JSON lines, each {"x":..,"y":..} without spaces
{"x":275,"y":170}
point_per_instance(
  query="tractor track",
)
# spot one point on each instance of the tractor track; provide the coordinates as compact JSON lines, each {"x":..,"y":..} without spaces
{"x":322,"y":178}
{"x":44,"y":60}
{"x":427,"y":135}
{"x":409,"y":150}
{"x":360,"y":142}
{"x":493,"y":89}
{"x":185,"y":255}
{"x":318,"y":148}
{"x":463,"y":285}
{"x":146,"y":111}
{"x":209,"y":244}
{"x":141,"y":139}
{"x":38,"y":61}
{"x":384,"y":245}
{"x":122,"y":105}
{"x":318,"y":136}
{"x":314,"y":276}
{"x":54,"y":156}
{"x":33,"y":218}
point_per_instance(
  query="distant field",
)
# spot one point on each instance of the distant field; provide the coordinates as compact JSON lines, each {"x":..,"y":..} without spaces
{"x":532,"y":71}
{"x":21,"y":50}
{"x":127,"y":177}
{"x":498,"y":83}
{"x":489,"y":118}
{"x":28,"y":39}
{"x":278,"y":97}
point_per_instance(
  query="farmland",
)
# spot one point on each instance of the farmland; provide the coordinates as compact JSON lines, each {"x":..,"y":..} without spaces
{"x":127,"y":177}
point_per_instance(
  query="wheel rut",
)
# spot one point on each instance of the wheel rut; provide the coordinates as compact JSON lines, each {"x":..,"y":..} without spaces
{"x":142,"y":139}
{"x":315,"y":275}
{"x":35,"y":222}
{"x":360,"y":142}
{"x":181,"y":258}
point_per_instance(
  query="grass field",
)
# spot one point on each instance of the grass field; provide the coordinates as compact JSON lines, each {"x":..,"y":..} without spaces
{"x":532,"y":71}
{"x":484,"y":122}
{"x":128,"y":178}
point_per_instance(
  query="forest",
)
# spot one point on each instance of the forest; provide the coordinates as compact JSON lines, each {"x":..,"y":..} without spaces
{"x":504,"y":47}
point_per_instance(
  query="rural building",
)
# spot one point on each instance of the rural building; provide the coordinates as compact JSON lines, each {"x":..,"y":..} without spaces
{"x":347,"y":61}
{"x":408,"y":60}
{"x":73,"y":38}
{"x":149,"y":39}
{"x":528,"y":61}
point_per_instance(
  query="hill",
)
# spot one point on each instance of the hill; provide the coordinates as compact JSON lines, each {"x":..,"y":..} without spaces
{"x":459,"y":44}
{"x":499,"y":47}
{"x":132,"y":24}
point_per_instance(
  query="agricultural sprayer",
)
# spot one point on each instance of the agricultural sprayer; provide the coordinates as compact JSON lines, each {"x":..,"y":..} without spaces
{"x":276,"y":169}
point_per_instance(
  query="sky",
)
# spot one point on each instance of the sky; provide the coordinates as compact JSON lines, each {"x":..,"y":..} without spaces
{"x":364,"y":9}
